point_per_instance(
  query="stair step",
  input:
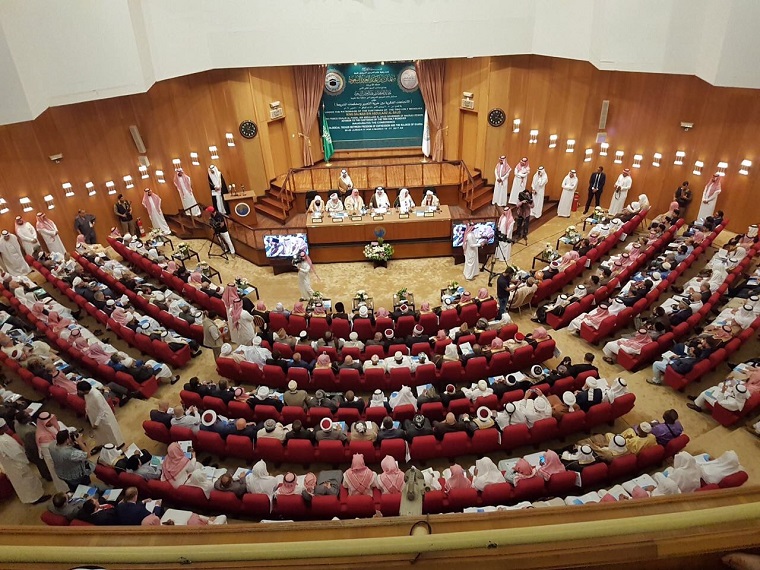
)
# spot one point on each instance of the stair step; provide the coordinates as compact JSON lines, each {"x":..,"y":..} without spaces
{"x":274,"y":203}
{"x":480,"y":200}
{"x":270,"y":211}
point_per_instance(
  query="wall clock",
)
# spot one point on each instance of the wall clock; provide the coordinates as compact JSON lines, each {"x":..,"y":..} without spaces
{"x":249,"y":129}
{"x":496,"y":117}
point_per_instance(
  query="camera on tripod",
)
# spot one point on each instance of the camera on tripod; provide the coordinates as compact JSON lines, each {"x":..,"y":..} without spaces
{"x":503,"y":238}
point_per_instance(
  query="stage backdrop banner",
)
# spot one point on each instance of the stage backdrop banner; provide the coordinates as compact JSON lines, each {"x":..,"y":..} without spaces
{"x":373,"y":106}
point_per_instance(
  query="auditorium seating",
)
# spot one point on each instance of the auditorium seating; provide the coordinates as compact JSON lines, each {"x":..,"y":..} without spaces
{"x":434,"y":502}
{"x":548,"y":287}
{"x":155,"y":348}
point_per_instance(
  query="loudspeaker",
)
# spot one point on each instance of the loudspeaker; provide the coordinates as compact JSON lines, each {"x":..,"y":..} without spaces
{"x":137,"y":138}
{"x":603,"y":114}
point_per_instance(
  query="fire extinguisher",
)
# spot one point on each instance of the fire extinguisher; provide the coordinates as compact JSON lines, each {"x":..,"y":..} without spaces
{"x":576,"y":201}
{"x":142,"y":229}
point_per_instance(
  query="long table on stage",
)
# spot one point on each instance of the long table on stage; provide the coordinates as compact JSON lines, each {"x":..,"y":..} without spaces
{"x":412,"y":236}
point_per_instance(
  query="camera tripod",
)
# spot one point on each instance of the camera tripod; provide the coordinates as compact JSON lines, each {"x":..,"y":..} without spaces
{"x":490,"y":263}
{"x":216,"y":240}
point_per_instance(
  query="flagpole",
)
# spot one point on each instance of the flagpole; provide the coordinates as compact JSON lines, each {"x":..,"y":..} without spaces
{"x":327,"y":160}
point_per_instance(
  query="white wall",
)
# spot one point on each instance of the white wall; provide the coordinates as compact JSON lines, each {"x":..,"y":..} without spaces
{"x":53,"y":53}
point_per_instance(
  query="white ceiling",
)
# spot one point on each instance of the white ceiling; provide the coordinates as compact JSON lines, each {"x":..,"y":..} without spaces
{"x":55,"y":53}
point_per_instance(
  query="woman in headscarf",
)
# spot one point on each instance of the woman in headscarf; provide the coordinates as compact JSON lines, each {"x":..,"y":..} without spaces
{"x":568,"y":260}
{"x":260,"y":481}
{"x":486,"y":473}
{"x":177,"y":467}
{"x":458,"y":479}
{"x":391,"y":480}
{"x":99,"y":351}
{"x":425,"y":308}
{"x":289,"y":485}
{"x":199,"y":479}
{"x":359,"y":479}
{"x":382,"y":312}
{"x":521,"y":470}
{"x":538,"y":336}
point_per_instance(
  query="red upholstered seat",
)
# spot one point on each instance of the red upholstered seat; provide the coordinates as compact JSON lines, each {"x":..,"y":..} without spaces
{"x":452,"y":372}
{"x":594,"y":475}
{"x":599,"y":414}
{"x":348,"y":415}
{"x":425,"y":374}
{"x":572,"y":423}
{"x":324,"y":379}
{"x":331,"y":451}
{"x":300,"y":451}
{"x":455,"y":444}
{"x":324,"y":506}
{"x":396,"y":448}
{"x":449,"y":319}
{"x":432,"y":502}
{"x":363,"y":327}
{"x":460,"y":499}
{"x":404,"y":412}
{"x":225,"y":502}
{"x":210,"y":442}
{"x":650,"y":457}
{"x":263,"y":413}
{"x":274,"y":376}
{"x":544,"y":430}
{"x":527,"y":489}
{"x":358,"y":506}
{"x":293,"y":413}
{"x":290,"y":507}
{"x":301,"y":376}
{"x":157,"y":431}
{"x":514,"y":436}
{"x":434,"y":411}
{"x":399,"y":377}
{"x":341,"y":328}
{"x":429,"y":323}
{"x":489,"y":310}
{"x":623,"y":404}
{"x":622,"y":467}
{"x":484,"y":441}
{"x":390,"y":504}
{"x":240,"y":446}
{"x":237,"y":409}
{"x":257,"y":505}
{"x":404,"y":326}
{"x":317,"y":327}
{"x":228,"y":368}
{"x":51,"y":519}
{"x":216,"y":404}
{"x":374,"y":349}
{"x":296,"y":324}
{"x":497,"y":494}
{"x":476,"y":369}
{"x":469,"y":314}
{"x":270,"y":449}
{"x":561,"y":483}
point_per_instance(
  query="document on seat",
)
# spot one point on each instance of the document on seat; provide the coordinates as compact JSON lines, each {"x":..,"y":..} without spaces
{"x":111,"y":495}
{"x":84,"y":492}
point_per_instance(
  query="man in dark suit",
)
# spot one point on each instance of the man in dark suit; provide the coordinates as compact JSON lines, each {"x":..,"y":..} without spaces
{"x":129,"y":511}
{"x":388,"y":431}
{"x":223,"y":392}
{"x":587,"y":366}
{"x":595,"y":187}
{"x":162,"y":414}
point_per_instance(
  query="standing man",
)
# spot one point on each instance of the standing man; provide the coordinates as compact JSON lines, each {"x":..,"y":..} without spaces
{"x":524,"y":208}
{"x":13,"y":259}
{"x":504,"y":226}
{"x":50,"y":234}
{"x":622,"y":185}
{"x":185,"y":188}
{"x":502,"y":290}
{"x":71,"y":464}
{"x":540,"y":180}
{"x":123,"y":210}
{"x":84,"y":224}
{"x":27,"y":235}
{"x":15,"y":464}
{"x":152,"y":203}
{"x":218,"y":188}
{"x":470,"y":245}
{"x":345,"y":184}
{"x":683,"y":196}
{"x":219,"y":225}
{"x":212,"y":336}
{"x":709,"y":197}
{"x":501,"y":180}
{"x":595,"y":188}
{"x":569,"y":185}
{"x":520,"y":181}
{"x":100,"y":416}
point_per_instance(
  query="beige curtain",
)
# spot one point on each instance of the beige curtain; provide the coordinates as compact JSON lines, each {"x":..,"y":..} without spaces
{"x":430,"y":74}
{"x":310,"y":81}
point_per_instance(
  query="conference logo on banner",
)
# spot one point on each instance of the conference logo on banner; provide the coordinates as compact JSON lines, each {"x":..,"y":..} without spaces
{"x":374,"y":106}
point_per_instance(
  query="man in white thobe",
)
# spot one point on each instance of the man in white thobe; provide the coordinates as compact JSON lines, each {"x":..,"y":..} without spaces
{"x":304,"y":277}
{"x":709,"y":197}
{"x":354,"y":203}
{"x":17,"y":468}
{"x":152,"y":203}
{"x":100,"y":415}
{"x":240,"y":322}
{"x":49,"y":232}
{"x":622,"y":185}
{"x":501,"y":180}
{"x":185,"y":189}
{"x":520,"y":180}
{"x":569,"y":185}
{"x":27,"y":235}
{"x":470,"y":245}
{"x":13,"y":259}
{"x":540,"y":180}
{"x":218,"y":188}
{"x":344,"y":182}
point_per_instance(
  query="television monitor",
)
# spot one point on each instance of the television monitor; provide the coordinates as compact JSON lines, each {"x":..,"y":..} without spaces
{"x":483,"y":231}
{"x":285,"y":245}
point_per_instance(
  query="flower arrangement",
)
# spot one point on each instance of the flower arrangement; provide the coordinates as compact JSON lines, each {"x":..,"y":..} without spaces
{"x":316,"y":295}
{"x":548,"y":253}
{"x":572,"y":235}
{"x":154,"y":233}
{"x":401,"y":294}
{"x":452,"y":287}
{"x":361,"y":295}
{"x":378,"y":251}
{"x":183,"y":250}
{"x":242,"y":283}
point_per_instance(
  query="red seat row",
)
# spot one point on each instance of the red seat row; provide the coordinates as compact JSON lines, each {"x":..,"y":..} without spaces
{"x":612,"y":324}
{"x":422,"y":448}
{"x":346,"y":506}
{"x":155,"y":348}
{"x":104,"y":373}
{"x":433,"y":411}
{"x":549,"y":287}
{"x":165,"y":318}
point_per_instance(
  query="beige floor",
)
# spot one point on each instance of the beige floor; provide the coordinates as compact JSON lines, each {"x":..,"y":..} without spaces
{"x":425,"y":277}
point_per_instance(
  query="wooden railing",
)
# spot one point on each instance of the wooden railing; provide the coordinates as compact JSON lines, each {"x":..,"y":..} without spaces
{"x":368,"y":176}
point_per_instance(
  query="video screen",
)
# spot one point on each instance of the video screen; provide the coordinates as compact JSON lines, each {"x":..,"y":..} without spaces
{"x":286,"y":245}
{"x":483,"y":231}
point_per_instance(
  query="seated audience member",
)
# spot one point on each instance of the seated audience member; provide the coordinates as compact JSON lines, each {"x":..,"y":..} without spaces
{"x":457,"y":479}
{"x":163,"y":414}
{"x":352,"y":401}
{"x":294,"y":396}
{"x":298,"y":431}
{"x":448,"y":425}
{"x":388,"y":430}
{"x":391,"y":480}
{"x":95,"y":513}
{"x":289,"y":485}
{"x":177,"y":467}
{"x":330,"y":431}
{"x":359,"y":479}
{"x":578,"y":458}
{"x":131,"y":512}
{"x":378,"y":399}
{"x":591,"y":394}
{"x":199,"y":479}
{"x":364,"y":431}
{"x":65,"y":505}
{"x":328,"y":483}
{"x":486,"y":473}
{"x":272,"y":430}
{"x":732,"y":395}
{"x":451,"y":393}
{"x":260,"y":481}
{"x":189,"y":418}
{"x":669,"y":428}
{"x":140,"y":464}
{"x":417,"y":426}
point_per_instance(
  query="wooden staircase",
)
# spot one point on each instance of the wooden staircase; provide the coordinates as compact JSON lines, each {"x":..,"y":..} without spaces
{"x":482,"y":192}
{"x":270,"y":205}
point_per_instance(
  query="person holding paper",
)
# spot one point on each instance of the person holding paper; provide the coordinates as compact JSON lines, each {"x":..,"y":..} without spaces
{"x":177,"y":467}
{"x":129,"y":511}
{"x":100,"y":415}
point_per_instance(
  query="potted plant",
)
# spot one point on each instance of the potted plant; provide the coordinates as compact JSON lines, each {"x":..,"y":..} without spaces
{"x":379,"y":253}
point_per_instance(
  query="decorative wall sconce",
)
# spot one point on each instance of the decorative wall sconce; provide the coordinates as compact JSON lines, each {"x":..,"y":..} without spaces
{"x":49,"y":201}
{"x":3,"y":207}
{"x":67,"y":189}
{"x":603,"y":148}
{"x":90,"y":188}
{"x":26,"y":203}
{"x":722,"y":168}
{"x":127,"y":182}
{"x":589,"y":155}
{"x":177,"y":163}
{"x":143,"y":171}
{"x":570,"y":145}
{"x":745,"y":167}
{"x":698,"y":168}
{"x":160,"y":176}
{"x":214,"y":153}
{"x":553,"y":141}
{"x":619,"y":157}
{"x":679,"y":157}
{"x":194,"y":159}
{"x":516,"y":126}
{"x":656,"y":159}
{"x":230,"y":139}
{"x":533,"y":137}
{"x":637,"y":160}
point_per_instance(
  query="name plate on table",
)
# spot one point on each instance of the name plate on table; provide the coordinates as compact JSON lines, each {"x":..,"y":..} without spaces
{"x":356,"y":218}
{"x":428,"y":214}
{"x":337,"y":220}
{"x":378,"y":218}
{"x":403,"y":216}
{"x":316,"y":220}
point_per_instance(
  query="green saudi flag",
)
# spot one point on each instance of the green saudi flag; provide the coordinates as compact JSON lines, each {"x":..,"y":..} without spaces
{"x":327,"y":143}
